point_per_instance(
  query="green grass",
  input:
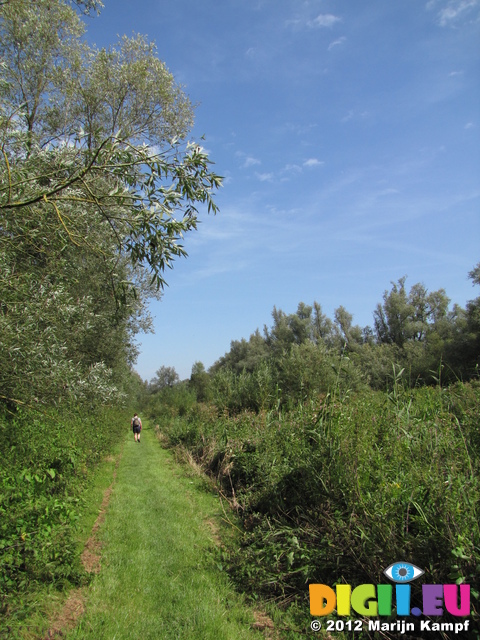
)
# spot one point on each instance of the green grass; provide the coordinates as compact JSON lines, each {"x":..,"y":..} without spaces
{"x":159,"y":576}
{"x":93,"y":496}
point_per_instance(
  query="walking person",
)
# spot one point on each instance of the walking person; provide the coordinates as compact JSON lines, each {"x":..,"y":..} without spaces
{"x":137,"y":427}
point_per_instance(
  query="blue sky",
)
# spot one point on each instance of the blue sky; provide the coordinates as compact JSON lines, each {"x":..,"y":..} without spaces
{"x":348,"y":135}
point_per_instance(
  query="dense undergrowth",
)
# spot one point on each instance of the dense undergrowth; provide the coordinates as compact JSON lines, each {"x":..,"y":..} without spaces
{"x":343,"y":485}
{"x":45,"y":464}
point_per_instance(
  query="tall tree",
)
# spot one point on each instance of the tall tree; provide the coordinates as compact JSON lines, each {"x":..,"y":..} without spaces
{"x":349,"y":334}
{"x":97,"y":188}
{"x":409,"y":316}
{"x":200,"y":382}
{"x":464,"y":347}
{"x":164,"y":377}
{"x":322,"y":326}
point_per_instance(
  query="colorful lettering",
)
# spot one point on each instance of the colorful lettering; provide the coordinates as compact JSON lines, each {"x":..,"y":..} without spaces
{"x":402,"y":595}
{"x":322,"y":599}
{"x":450,"y":593}
{"x":384,"y":597}
{"x":343,"y":599}
{"x":370,"y":600}
{"x":432,"y":599}
{"x":363,"y":600}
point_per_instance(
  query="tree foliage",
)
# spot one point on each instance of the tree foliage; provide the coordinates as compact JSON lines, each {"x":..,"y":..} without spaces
{"x":409,"y":317}
{"x":305,"y":353}
{"x":164,"y":377}
{"x":200,"y":382}
{"x":98,"y":186}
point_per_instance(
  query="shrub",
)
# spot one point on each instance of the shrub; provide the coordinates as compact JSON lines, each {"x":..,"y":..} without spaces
{"x":341,"y":486}
{"x":44,"y":463}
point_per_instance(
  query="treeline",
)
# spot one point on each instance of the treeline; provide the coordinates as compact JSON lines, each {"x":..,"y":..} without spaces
{"x":415,"y":330}
{"x":98,"y":185}
{"x":304,"y":354}
{"x":341,"y":449}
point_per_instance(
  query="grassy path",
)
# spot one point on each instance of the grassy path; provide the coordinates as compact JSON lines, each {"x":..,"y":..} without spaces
{"x":159,"y":577}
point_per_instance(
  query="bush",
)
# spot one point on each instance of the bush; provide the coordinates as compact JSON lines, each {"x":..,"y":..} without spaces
{"x":44,"y":462}
{"x":341,"y":486}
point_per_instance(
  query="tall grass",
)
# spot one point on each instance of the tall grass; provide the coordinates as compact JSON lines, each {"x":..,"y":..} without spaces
{"x":343,"y":485}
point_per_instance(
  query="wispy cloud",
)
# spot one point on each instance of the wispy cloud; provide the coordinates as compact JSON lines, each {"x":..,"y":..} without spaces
{"x":292,"y":168}
{"x":250,"y":162}
{"x":324,"y":20}
{"x":354,"y":115}
{"x":313,"y":162}
{"x":264,"y":177}
{"x":452,"y":10}
{"x":336,"y":43}
{"x":290,"y":171}
{"x":299,"y":129}
{"x":247,"y":161}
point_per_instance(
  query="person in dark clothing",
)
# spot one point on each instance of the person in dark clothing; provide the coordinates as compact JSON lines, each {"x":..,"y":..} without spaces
{"x":137,"y":427}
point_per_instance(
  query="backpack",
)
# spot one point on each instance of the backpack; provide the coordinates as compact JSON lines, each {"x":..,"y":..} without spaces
{"x":136,"y":422}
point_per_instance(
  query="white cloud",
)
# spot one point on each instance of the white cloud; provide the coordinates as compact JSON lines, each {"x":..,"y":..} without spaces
{"x":290,"y":171}
{"x":294,"y":23}
{"x":313,"y":162}
{"x":469,"y":125}
{"x":248,"y":161}
{"x":292,"y":168}
{"x":324,"y":20}
{"x":264,"y":177}
{"x":337,"y":42}
{"x":453,"y":10}
{"x":300,"y":129}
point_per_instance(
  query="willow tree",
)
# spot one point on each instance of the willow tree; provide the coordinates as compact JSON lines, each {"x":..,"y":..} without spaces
{"x":98,"y":186}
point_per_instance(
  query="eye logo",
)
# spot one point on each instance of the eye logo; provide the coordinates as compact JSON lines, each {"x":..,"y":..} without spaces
{"x":403,"y":572}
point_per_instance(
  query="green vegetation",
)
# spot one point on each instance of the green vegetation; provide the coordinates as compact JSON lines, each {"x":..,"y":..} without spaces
{"x":304,"y":351}
{"x":159,"y":575}
{"x":45,"y":465}
{"x":342,"y":450}
{"x":340,"y":487}
{"x":97,"y":189}
{"x":98,"y":186}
